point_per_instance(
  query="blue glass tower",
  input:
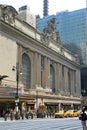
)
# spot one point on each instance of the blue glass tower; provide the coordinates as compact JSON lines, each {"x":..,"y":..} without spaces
{"x":72,"y":29}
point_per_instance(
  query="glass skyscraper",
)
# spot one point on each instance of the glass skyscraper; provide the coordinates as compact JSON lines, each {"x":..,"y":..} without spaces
{"x":72,"y":28}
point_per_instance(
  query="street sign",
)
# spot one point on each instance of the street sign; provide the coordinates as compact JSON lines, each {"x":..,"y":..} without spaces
{"x":16,"y":100}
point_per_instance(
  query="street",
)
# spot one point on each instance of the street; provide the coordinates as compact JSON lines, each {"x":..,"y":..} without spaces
{"x":42,"y":124}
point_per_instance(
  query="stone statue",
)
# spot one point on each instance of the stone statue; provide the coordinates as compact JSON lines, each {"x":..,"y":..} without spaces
{"x":51,"y":26}
{"x":8,"y":13}
{"x":50,"y":31}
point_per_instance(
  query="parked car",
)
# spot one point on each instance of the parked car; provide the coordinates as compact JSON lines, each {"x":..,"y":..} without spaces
{"x":71,"y":113}
{"x":59,"y":114}
{"x":79,"y":112}
{"x":66,"y":114}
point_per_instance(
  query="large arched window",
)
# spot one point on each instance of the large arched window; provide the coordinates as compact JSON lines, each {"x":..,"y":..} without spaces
{"x":26,"y":67}
{"x":52,"y":78}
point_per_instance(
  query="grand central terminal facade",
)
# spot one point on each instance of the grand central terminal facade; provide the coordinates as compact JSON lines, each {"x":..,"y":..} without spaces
{"x":45,"y":72}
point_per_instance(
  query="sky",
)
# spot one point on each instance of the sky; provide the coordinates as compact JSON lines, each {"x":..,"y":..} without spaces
{"x":36,"y":6}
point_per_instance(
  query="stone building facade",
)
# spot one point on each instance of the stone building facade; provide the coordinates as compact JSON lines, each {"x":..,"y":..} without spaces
{"x":50,"y":74}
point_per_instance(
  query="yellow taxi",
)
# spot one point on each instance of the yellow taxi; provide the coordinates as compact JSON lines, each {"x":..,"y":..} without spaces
{"x":79,"y":113}
{"x":59,"y":114}
{"x":71,"y":113}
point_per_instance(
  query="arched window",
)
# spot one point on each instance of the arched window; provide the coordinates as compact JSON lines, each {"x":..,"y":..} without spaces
{"x":52,"y":78}
{"x":26,"y":67}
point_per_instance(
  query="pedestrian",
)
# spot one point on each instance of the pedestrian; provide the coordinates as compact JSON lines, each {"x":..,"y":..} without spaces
{"x":83,"y":119}
{"x":11,"y":114}
{"x":6,"y":115}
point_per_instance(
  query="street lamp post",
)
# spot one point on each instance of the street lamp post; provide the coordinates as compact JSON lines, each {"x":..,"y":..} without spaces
{"x":17,"y":94}
{"x":83,"y":97}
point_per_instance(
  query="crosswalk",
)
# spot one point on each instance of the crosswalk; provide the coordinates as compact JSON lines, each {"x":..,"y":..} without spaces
{"x":41,"y":124}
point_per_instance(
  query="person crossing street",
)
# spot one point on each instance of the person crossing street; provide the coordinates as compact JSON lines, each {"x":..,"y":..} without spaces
{"x":83,"y":119}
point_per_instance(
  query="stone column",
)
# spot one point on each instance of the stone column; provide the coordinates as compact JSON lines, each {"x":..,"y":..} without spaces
{"x":65,"y":84}
{"x":45,"y":72}
{"x":78,"y":82}
{"x":63,"y":78}
{"x":37,"y":70}
{"x":72,"y":82}
{"x":58,"y":82}
{"x":56,"y":76}
{"x":48,"y":73}
{"x":33,"y":70}
{"x":31,"y":55}
{"x":60,"y":78}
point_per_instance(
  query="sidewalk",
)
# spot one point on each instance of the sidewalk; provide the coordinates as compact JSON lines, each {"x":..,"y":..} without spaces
{"x":35,"y":118}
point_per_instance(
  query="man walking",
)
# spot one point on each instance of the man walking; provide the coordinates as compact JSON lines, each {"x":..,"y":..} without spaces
{"x":83,"y":119}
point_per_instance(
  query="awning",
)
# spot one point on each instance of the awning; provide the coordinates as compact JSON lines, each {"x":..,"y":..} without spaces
{"x":27,"y":103}
{"x":66,"y":104}
{"x":51,"y":103}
